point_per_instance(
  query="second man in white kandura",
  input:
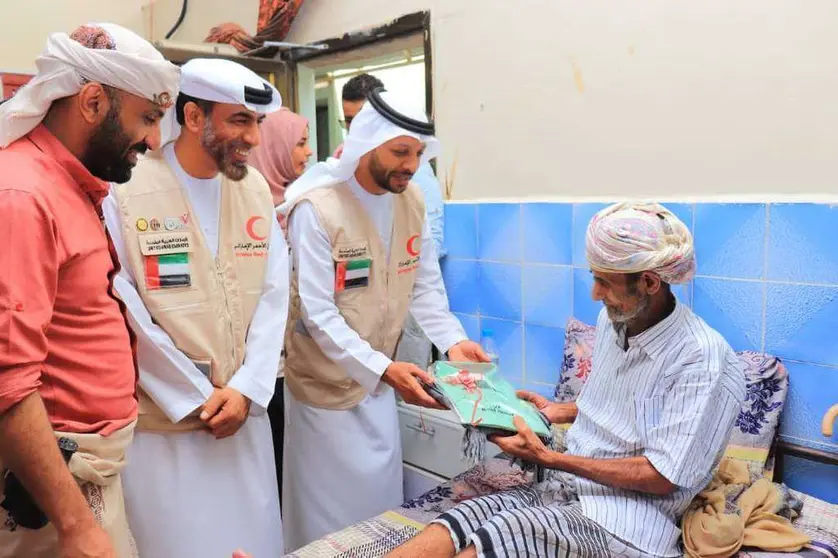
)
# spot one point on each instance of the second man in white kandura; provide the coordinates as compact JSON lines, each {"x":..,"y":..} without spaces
{"x":362,"y":257}
{"x":205,"y":279}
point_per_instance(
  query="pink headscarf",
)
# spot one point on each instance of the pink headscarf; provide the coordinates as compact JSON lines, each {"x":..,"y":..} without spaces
{"x":280,"y":133}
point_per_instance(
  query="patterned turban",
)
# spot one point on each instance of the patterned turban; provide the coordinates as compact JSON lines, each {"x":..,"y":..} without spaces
{"x":636,"y":237}
{"x":99,"y":52}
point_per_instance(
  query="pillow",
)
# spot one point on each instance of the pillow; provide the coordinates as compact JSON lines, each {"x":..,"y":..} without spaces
{"x":576,"y":365}
{"x":755,"y":430}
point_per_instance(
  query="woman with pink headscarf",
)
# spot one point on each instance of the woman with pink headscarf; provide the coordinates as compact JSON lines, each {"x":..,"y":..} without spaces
{"x":281,"y":157}
{"x":283,"y":152}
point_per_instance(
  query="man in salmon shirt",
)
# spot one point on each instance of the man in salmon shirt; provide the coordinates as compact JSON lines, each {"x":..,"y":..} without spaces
{"x":67,"y":372}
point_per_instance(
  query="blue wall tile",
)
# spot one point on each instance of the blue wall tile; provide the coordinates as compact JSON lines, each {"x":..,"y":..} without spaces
{"x":508,"y":337}
{"x":585,"y":308}
{"x":812,"y":391}
{"x":582,"y":214}
{"x":460,"y":229}
{"x":547,"y":229}
{"x":461,"y":278}
{"x":733,"y":308}
{"x":801,"y":243}
{"x":684,"y":212}
{"x":499,"y":291}
{"x":547,"y":295}
{"x":544,"y":354}
{"x":499,"y":232}
{"x":816,"y":479}
{"x":471,"y":324}
{"x":730,"y":240}
{"x":801,"y":323}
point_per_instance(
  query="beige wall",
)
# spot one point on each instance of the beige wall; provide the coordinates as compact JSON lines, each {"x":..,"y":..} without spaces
{"x":24,"y":33}
{"x":663,"y":98}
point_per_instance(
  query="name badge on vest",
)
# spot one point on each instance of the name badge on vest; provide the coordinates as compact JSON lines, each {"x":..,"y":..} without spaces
{"x":166,"y":258}
{"x":352,"y":266}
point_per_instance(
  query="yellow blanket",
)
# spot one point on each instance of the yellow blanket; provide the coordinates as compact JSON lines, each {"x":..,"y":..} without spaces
{"x":711,"y":532}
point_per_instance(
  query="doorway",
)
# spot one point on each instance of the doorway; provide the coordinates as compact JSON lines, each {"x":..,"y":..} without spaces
{"x":398,"y":53}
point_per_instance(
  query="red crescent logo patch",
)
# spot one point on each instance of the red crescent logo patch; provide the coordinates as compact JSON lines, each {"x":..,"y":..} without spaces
{"x":411,"y":249}
{"x":251,"y":228}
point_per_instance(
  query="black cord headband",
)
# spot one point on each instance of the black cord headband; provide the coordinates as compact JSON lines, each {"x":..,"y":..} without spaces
{"x":257,"y":97}
{"x":400,"y":120}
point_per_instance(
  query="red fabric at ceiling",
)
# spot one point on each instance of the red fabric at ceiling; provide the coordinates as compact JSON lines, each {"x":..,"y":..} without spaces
{"x":275,"y":18}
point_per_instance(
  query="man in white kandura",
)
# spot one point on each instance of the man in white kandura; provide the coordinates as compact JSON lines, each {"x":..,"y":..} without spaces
{"x":362,"y":257}
{"x":205,"y":279}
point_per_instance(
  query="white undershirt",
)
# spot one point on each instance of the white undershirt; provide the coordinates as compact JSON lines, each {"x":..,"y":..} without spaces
{"x":204,"y":195}
{"x":312,"y":253}
{"x":169,"y":377}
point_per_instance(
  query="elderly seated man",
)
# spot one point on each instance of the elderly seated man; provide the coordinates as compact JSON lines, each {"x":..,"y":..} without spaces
{"x":651,"y":423}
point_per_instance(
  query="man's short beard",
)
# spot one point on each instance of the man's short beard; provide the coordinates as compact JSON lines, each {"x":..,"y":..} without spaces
{"x":222,"y":152}
{"x":106,"y":156}
{"x":644,"y":301}
{"x":382,"y":176}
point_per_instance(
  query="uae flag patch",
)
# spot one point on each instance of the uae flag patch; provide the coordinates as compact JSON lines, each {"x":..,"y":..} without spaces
{"x":352,"y":274}
{"x":167,"y":270}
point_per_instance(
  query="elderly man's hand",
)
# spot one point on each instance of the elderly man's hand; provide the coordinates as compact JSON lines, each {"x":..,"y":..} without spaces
{"x":556,"y":413}
{"x":467,"y":351}
{"x":524,"y":445}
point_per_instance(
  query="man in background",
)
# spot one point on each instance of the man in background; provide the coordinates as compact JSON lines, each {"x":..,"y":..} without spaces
{"x":414,"y":347}
{"x":66,"y":365}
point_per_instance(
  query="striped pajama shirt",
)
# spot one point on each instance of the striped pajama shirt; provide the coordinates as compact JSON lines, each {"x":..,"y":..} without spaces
{"x":670,"y":394}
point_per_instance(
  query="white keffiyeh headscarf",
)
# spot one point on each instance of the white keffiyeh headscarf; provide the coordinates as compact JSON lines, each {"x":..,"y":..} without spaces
{"x":102,"y":53}
{"x":369,"y":130}
{"x":636,"y":237}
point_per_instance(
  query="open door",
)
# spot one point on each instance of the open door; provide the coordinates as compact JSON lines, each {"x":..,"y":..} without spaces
{"x":398,"y":53}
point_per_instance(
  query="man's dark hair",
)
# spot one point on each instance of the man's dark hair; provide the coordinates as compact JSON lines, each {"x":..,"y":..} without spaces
{"x":359,"y":87}
{"x":182,"y":99}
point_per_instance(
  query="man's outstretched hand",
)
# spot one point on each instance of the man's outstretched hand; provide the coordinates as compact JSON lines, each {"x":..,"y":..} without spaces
{"x":407,"y":380}
{"x":467,"y":351}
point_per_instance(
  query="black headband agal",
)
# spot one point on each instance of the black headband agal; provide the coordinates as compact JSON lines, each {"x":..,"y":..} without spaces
{"x":400,"y":120}
{"x":256,"y":96}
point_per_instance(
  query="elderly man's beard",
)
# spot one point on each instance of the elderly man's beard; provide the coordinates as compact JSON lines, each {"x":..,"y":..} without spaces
{"x":383,"y":177}
{"x":618,"y":316}
{"x":110,"y":155}
{"x":223,"y":153}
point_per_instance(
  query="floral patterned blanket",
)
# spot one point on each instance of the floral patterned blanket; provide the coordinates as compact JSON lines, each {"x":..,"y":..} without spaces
{"x":377,"y":536}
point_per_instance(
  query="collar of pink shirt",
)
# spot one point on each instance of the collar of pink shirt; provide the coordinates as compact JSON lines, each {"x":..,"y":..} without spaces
{"x":95,"y":188}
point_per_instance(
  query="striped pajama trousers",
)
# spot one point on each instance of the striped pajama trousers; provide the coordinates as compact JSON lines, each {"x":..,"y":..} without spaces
{"x":520,"y":524}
